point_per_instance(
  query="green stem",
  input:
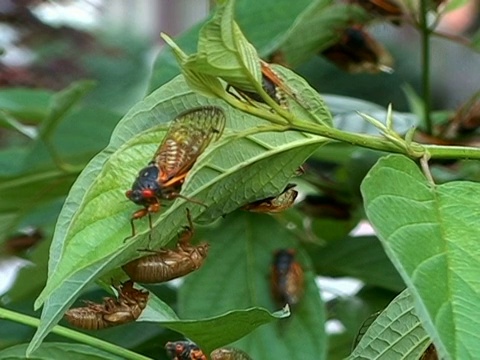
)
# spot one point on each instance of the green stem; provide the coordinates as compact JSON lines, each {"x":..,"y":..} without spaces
{"x":382,"y":144}
{"x":72,"y":334}
{"x":426,"y":32}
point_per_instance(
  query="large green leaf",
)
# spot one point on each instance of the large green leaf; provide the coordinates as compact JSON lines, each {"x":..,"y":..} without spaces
{"x":236,"y":275}
{"x":395,"y":334}
{"x":213,"y":332}
{"x":238,"y":169}
{"x":430,"y":234}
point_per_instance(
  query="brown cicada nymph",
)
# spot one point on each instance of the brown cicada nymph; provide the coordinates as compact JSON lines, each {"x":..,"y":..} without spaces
{"x":274,"y":204}
{"x":287,"y":278}
{"x":184,"y":350}
{"x":188,"y":136}
{"x":113,"y":312}
{"x":168,"y":264}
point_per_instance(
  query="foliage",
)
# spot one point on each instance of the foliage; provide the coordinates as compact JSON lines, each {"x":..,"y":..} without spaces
{"x":420,"y":270}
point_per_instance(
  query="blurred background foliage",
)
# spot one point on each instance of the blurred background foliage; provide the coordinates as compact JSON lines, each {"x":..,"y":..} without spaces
{"x":53,"y":121}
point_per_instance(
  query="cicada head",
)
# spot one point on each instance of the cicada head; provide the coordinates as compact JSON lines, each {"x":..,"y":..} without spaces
{"x":145,"y":187}
{"x":184,"y":350}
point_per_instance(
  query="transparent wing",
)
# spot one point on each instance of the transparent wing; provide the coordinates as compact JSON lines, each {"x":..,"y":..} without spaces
{"x":188,"y":136}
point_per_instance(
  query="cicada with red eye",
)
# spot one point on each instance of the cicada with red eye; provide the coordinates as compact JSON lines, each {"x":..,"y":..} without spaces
{"x":168,"y":264}
{"x":112,"y":312}
{"x":287,"y":278}
{"x":274,"y":204}
{"x":188,"y":136}
{"x":229,"y":354}
{"x":184,"y":350}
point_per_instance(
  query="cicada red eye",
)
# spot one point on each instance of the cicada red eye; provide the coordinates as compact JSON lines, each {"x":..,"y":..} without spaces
{"x":287,"y":278}
{"x":148,"y":193}
{"x":187,"y":138}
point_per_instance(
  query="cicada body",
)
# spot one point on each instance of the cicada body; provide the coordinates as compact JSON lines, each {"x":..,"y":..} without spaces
{"x":273,"y":85}
{"x":112,"y":312}
{"x":188,"y":136}
{"x":184,"y":350}
{"x":169,"y":264}
{"x":287,"y":278}
{"x":229,"y":354}
{"x":274,"y":204}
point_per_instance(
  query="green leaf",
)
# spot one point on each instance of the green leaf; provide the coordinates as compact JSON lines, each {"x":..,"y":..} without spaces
{"x":262,"y":21}
{"x":54,"y":350}
{"x":430,"y":234}
{"x":214,"y":332}
{"x":367,"y":262}
{"x":238,"y":169}
{"x":224,"y":51}
{"x":323,"y":21}
{"x":31,"y":105}
{"x":236,"y":275}
{"x":395,"y":334}
{"x":204,"y":84}
{"x":61,"y":103}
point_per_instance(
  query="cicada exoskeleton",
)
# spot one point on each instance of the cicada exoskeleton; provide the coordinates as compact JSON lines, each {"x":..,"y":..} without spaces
{"x":184,"y":350}
{"x":168,"y":264}
{"x":274,"y":204}
{"x":287,"y":278}
{"x":112,"y":312}
{"x":229,"y":354}
{"x":186,"y":139}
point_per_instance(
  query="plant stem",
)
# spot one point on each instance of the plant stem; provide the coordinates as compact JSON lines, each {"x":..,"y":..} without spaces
{"x":382,"y":144}
{"x":426,"y":90}
{"x":72,"y":334}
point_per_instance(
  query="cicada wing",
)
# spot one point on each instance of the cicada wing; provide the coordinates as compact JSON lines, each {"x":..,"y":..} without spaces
{"x":188,"y":136}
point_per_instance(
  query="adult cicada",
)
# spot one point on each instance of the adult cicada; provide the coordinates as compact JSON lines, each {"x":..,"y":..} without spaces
{"x":184,"y":350}
{"x":188,"y":136}
{"x":274,"y":204}
{"x":168,"y":264}
{"x":112,"y":312}
{"x":273,"y":85}
{"x":287,"y":278}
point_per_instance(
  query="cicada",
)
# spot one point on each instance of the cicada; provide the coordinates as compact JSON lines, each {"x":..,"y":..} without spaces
{"x":168,"y":264}
{"x":229,"y":354}
{"x":184,"y":350}
{"x":274,"y":204}
{"x":188,"y":136}
{"x":126,"y":308}
{"x":287,"y":278}
{"x":273,"y":85}
{"x":357,"y":51}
